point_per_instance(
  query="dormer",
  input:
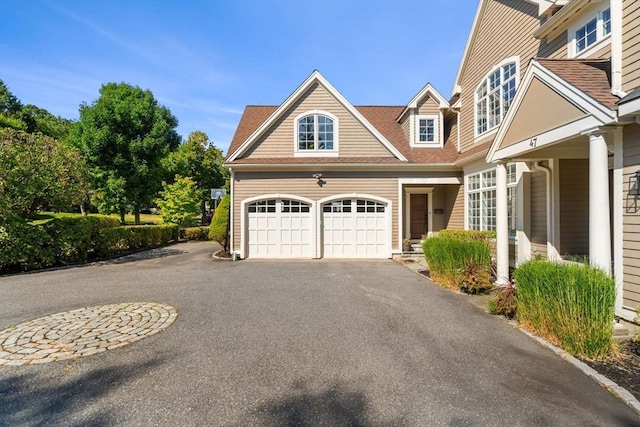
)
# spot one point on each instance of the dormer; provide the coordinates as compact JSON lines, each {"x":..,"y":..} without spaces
{"x":422,"y":120}
{"x":587,"y":25}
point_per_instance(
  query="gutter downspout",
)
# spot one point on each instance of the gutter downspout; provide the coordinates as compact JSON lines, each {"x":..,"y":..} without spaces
{"x":458,"y":129}
{"x":552,"y":252}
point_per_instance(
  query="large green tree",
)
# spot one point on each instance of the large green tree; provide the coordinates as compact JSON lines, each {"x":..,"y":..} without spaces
{"x":38,"y":171}
{"x":124,"y":135}
{"x":198,"y":158}
{"x":29,"y":117}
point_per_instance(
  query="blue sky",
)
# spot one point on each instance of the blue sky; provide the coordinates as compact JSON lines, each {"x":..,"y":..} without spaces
{"x":206,"y":60}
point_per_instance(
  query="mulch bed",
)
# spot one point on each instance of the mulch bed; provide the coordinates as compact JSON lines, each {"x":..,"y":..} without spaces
{"x":623,"y":368}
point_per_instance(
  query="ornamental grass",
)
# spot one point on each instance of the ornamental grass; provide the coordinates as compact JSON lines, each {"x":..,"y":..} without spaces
{"x":569,"y":304}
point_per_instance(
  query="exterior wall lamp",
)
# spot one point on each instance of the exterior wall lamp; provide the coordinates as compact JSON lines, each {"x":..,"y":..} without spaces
{"x":318,"y":177}
{"x":635,"y":186}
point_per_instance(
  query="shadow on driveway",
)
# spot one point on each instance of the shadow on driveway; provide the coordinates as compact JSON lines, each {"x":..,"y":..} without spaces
{"x":27,"y":400}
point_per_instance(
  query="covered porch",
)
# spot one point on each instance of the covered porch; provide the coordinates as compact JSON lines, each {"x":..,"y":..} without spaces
{"x":562,"y":128}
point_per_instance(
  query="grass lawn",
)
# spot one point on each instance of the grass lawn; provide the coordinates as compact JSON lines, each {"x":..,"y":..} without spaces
{"x":43,"y":217}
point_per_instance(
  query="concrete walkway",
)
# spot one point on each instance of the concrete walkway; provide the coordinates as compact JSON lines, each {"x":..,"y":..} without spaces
{"x":365,"y":343}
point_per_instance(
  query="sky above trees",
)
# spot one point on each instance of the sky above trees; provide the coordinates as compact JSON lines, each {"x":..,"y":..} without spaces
{"x":206,"y":60}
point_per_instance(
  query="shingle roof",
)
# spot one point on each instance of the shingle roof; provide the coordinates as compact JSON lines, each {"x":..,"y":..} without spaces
{"x":591,"y":76}
{"x":383,"y":118}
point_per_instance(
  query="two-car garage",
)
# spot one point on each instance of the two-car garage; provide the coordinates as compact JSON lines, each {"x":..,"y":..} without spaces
{"x":342,"y":226}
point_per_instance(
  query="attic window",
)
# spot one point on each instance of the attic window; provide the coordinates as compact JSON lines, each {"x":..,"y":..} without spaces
{"x":316,"y":134}
{"x":427,"y":130}
{"x":586,"y":36}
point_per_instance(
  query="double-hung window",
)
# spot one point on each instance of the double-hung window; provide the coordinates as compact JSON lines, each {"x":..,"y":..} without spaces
{"x":427,"y":129}
{"x":590,"y":32}
{"x":316,"y":133}
{"x":495,"y":95}
{"x":481,"y":200}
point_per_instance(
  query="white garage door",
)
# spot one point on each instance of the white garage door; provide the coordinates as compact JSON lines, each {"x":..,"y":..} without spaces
{"x":280,"y":228}
{"x":355,"y":228}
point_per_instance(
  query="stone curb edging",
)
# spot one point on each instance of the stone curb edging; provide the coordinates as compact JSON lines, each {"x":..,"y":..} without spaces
{"x":604,"y":382}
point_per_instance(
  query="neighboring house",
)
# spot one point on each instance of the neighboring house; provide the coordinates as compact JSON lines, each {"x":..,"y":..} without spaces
{"x":540,"y":141}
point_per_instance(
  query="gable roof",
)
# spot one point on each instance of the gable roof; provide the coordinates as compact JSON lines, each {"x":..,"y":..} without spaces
{"x":382,"y":118}
{"x":426,"y":90}
{"x":314,"y":78}
{"x":583,"y":83}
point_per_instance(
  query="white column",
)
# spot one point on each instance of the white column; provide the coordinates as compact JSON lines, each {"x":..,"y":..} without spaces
{"x":502,"y":225}
{"x":599,"y":223}
{"x":618,"y":164}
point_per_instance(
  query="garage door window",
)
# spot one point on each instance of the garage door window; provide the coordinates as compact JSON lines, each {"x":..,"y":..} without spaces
{"x":369,"y":206}
{"x":294,"y":206}
{"x":263,"y":206}
{"x":338,"y":206}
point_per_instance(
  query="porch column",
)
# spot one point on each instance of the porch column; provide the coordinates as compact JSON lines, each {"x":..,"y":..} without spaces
{"x":502,"y":225}
{"x":599,"y":222}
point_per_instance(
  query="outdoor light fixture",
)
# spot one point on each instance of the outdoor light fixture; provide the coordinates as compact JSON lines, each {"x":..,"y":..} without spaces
{"x":635,"y":186}
{"x":318,"y":176}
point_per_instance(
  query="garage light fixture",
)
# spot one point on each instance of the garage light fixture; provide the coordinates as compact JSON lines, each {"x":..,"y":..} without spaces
{"x":635,"y":186}
{"x":318,"y":177}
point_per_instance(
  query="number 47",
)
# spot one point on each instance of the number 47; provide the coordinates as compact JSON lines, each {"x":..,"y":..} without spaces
{"x":533,"y":142}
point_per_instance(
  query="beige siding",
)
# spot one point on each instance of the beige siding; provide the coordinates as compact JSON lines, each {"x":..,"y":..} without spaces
{"x":554,"y":49}
{"x":538,"y":214}
{"x":631,"y":218}
{"x":574,"y":207}
{"x":455,"y":202}
{"x":451,"y":131}
{"x":604,"y":53}
{"x":406,"y":124}
{"x":428,"y":106}
{"x":541,"y":109}
{"x":630,"y":45}
{"x":354,"y":140}
{"x":302,"y":184}
{"x":445,"y":198}
{"x":505,"y":30}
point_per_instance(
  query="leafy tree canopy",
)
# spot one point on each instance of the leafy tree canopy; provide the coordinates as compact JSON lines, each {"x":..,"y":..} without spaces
{"x":29,"y":117}
{"x":179,"y":201}
{"x":38,"y":171}
{"x":200,"y":159}
{"x":124,"y":135}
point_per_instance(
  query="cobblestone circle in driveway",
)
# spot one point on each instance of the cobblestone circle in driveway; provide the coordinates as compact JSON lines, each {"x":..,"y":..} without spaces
{"x":82,"y":332}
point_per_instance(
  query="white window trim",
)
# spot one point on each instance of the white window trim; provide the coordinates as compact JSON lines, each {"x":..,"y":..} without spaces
{"x":315,"y":153}
{"x":601,"y":40}
{"x":512,"y":231}
{"x":415,"y":125}
{"x":478,"y":136}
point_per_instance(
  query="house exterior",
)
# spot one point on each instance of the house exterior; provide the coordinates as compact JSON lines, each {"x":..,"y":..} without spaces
{"x":539,"y":140}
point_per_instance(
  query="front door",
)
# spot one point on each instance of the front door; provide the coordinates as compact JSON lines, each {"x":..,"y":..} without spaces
{"x":419,"y":218}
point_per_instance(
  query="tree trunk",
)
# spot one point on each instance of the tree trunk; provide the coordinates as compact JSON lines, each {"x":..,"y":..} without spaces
{"x":136,"y":214}
{"x":122,"y":212}
{"x":203,"y":212}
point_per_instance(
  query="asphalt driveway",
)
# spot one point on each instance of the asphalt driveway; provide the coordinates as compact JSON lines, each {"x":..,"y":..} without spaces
{"x":361,"y":343}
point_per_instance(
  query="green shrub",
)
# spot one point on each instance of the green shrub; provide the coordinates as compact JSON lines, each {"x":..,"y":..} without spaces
{"x":195,"y":233}
{"x":505,"y":302}
{"x":459,"y":264}
{"x":466,"y":235}
{"x":219,"y":228}
{"x":570,"y":304}
{"x":24,"y":247}
{"x":59,"y":241}
{"x":121,"y":240}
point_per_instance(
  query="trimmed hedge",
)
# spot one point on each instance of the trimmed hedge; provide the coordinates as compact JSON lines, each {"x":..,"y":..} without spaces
{"x":463,"y":264}
{"x":194,"y":233}
{"x":74,"y":240}
{"x":571,"y":304}
{"x":219,"y":227}
{"x":126,"y":239}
